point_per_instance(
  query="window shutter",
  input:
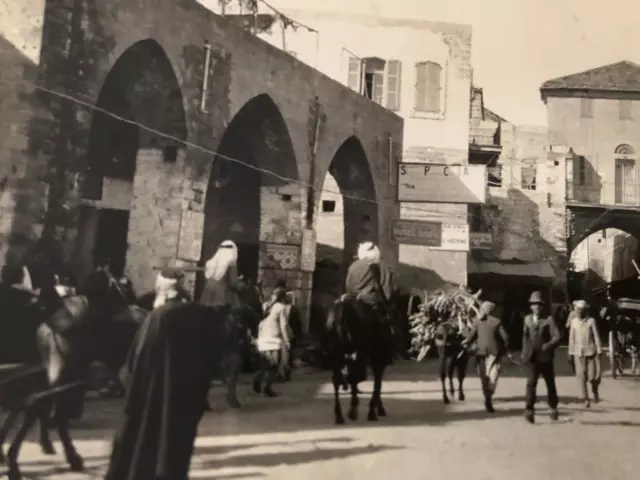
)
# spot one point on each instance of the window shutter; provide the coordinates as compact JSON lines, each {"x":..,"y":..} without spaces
{"x":421,"y":87}
{"x":355,"y":74}
{"x":394,"y":74}
{"x":378,"y":87}
{"x":434,"y":78}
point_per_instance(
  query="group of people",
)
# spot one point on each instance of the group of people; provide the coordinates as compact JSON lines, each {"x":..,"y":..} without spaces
{"x":540,"y":337}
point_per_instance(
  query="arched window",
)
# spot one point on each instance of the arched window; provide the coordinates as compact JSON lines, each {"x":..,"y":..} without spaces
{"x":625,"y":149}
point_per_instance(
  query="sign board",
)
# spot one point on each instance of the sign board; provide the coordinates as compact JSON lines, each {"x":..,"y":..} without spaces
{"x":480,"y":241}
{"x":308,"y":250}
{"x":440,"y":183}
{"x":191,"y":232}
{"x":454,"y":238}
{"x":417,"y":232}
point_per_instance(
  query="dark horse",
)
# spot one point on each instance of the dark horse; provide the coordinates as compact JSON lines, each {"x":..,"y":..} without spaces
{"x":68,"y":338}
{"x":357,"y":337}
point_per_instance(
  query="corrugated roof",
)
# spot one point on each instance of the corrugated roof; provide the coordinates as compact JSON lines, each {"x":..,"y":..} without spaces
{"x":616,"y":77}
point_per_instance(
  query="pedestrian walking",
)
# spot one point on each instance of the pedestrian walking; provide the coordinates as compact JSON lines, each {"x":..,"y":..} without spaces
{"x":273,"y":338}
{"x":585,"y":348}
{"x":167,"y":376}
{"x":492,"y":343}
{"x":540,"y":337}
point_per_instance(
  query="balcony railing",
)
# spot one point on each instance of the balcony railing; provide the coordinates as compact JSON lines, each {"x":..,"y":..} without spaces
{"x":485,"y":134}
{"x":605,"y":193}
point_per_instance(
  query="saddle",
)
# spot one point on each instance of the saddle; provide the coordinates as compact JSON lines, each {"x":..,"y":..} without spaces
{"x":71,"y":316}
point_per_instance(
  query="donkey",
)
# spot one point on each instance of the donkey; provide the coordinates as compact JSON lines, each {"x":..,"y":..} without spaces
{"x":68,"y":339}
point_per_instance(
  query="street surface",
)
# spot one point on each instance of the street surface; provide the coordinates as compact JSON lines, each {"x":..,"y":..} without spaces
{"x":293,"y":436}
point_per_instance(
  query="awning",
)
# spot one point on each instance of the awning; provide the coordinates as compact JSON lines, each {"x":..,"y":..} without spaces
{"x":510,"y":268}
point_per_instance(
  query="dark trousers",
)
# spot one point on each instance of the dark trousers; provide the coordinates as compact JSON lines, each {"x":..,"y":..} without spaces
{"x":544,"y":370}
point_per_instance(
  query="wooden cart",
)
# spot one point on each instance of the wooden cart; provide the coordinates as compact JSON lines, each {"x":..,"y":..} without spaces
{"x":629,"y":309}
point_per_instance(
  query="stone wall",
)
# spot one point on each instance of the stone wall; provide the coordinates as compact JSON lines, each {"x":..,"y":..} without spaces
{"x":82,"y":41}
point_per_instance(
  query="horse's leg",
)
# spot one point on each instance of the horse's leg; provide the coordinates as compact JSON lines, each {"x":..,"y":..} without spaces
{"x":44,"y":415}
{"x":30,"y":416}
{"x":337,"y":380}
{"x":4,"y":431}
{"x":462,"y":374}
{"x":234,"y":365}
{"x":376,"y":408}
{"x":355,"y":402}
{"x":451,"y":369}
{"x":75,"y":461}
{"x":442,"y":360}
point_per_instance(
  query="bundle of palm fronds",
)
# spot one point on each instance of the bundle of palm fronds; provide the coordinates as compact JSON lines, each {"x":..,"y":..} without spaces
{"x":453,"y":308}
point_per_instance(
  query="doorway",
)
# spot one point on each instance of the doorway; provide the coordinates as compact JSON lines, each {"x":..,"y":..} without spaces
{"x":625,"y":181}
{"x":111,"y":237}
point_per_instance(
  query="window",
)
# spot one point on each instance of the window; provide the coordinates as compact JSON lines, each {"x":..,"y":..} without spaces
{"x":428,"y":87}
{"x":625,"y":109}
{"x":328,"y":206}
{"x":377,"y":79}
{"x":581,"y":171}
{"x":528,"y":175}
{"x":586,"y":108}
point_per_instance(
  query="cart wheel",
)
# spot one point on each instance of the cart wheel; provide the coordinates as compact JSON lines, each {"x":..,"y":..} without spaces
{"x":612,"y":356}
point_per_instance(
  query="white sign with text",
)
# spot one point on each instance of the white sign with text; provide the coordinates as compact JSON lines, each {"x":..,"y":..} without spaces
{"x":454,"y":238}
{"x":440,"y":183}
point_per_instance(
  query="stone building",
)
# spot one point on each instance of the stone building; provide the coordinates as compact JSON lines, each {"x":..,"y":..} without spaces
{"x":154,"y":130}
{"x":517,"y":238}
{"x":421,"y":70}
{"x":595,"y":116}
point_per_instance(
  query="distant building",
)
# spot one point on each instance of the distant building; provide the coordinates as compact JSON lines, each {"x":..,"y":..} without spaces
{"x":595,"y":116}
{"x":517,"y":237}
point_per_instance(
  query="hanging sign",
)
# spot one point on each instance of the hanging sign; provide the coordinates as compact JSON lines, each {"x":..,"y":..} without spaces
{"x":440,"y":183}
{"x":191,"y":232}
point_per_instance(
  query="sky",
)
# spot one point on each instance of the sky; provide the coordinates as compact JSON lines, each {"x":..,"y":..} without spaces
{"x":518,"y":44}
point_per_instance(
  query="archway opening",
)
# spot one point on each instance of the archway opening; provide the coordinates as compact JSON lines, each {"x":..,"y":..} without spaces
{"x":602,"y":257}
{"x":139,"y":113}
{"x":347,"y":215}
{"x":253,"y":194}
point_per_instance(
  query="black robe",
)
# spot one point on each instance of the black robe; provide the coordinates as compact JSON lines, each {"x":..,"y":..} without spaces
{"x":167,"y":378}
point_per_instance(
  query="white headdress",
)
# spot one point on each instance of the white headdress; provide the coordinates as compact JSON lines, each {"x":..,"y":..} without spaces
{"x":166,"y":287}
{"x":225,"y":256}
{"x":369,"y":251}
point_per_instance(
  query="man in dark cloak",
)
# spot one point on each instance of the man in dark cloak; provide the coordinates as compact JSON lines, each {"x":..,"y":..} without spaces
{"x":167,"y":377}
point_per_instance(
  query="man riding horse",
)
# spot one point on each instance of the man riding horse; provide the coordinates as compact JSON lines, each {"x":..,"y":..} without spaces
{"x":361,"y":330}
{"x":225,"y":290}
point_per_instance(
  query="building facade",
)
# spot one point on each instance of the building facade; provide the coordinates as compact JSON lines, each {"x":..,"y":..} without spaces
{"x":595,"y":115}
{"x":419,"y":70}
{"x":125,"y":132}
{"x":518,"y":240}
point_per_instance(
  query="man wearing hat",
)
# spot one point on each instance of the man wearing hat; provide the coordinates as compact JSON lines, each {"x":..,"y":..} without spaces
{"x":492,"y":344}
{"x":540,"y":337}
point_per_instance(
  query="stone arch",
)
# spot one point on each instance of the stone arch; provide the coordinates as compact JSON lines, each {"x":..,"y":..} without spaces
{"x":139,"y":123}
{"x":358,"y":221}
{"x":602,"y":255}
{"x":253,"y":195}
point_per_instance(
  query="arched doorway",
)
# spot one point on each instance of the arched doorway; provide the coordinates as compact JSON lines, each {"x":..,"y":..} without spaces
{"x":347,"y":215}
{"x":603,"y":256}
{"x":139,"y":111}
{"x":253,"y":195}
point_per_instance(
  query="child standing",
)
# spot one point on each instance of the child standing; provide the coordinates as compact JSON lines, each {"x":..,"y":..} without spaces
{"x":273,"y":338}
